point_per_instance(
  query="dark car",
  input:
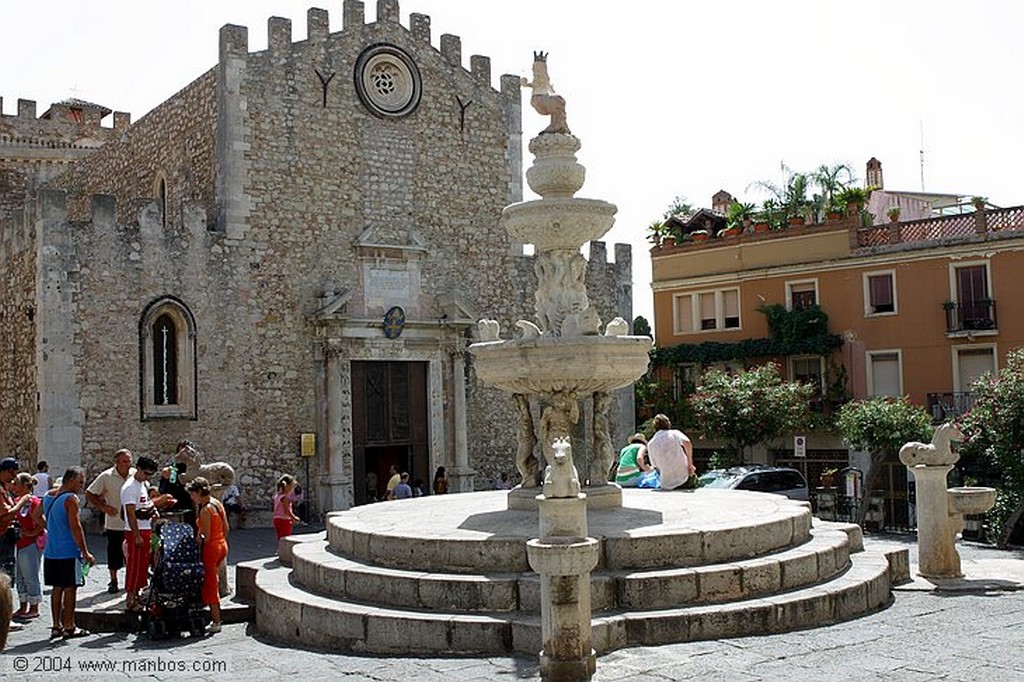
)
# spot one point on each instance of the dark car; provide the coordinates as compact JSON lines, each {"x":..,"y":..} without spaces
{"x":762,"y":479}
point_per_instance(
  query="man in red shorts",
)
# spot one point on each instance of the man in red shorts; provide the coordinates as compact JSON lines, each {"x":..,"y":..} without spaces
{"x":137,"y":509}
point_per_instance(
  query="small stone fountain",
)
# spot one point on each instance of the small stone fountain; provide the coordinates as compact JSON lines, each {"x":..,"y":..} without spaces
{"x":940,"y":511}
{"x":564,"y":355}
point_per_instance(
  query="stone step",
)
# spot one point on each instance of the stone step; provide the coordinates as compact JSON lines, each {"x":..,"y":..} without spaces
{"x":287,"y":612}
{"x":477,"y":534}
{"x":320,"y":570}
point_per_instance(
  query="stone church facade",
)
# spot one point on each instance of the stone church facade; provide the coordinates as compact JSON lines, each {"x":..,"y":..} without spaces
{"x":298,"y":242}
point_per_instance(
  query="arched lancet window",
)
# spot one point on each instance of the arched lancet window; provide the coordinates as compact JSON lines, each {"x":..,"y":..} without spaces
{"x":160,"y":190}
{"x":167,"y":354}
{"x":165,"y":361}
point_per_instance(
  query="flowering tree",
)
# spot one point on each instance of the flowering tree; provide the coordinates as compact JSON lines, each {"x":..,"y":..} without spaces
{"x":994,"y":428}
{"x":750,"y":407}
{"x":880,"y":426}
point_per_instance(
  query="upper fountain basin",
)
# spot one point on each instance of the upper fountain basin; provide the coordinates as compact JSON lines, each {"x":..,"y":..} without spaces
{"x":563,"y":223}
{"x":582,"y":364}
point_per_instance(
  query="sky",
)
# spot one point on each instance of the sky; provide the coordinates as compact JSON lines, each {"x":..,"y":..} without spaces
{"x":668,"y":98}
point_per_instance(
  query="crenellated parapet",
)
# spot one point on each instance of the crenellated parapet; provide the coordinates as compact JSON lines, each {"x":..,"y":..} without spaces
{"x":281,"y":43}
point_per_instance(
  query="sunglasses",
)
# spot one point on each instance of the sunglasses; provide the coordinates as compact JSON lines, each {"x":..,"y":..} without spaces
{"x":149,"y":472}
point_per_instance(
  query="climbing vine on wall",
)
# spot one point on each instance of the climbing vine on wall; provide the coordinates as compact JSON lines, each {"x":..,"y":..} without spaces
{"x":794,"y":332}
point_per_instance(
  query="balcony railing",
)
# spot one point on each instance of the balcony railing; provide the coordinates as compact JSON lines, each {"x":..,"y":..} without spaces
{"x":944,"y":227}
{"x":968,"y":317}
{"x":946,"y":406}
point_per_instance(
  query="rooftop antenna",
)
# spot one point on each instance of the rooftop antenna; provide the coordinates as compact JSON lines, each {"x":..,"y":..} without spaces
{"x":921,"y":123}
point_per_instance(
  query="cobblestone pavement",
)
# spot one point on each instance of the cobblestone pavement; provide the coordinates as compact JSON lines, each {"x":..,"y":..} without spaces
{"x":923,"y":635}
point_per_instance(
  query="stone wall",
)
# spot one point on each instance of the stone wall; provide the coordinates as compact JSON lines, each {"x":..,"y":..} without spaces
{"x":17,"y":336}
{"x":174,"y":141}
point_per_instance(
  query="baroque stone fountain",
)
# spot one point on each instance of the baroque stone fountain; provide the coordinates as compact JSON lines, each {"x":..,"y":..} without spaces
{"x":563,"y":356}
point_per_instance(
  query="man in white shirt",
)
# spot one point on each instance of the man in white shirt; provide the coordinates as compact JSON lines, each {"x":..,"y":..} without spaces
{"x":104,"y":494}
{"x":42,"y":479}
{"x":137,"y":510}
{"x":671,"y":452}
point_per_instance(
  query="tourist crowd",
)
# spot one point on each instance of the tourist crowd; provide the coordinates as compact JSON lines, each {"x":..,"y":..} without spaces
{"x":41,"y":533}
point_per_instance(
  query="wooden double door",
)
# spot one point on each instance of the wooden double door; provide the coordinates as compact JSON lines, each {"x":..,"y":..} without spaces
{"x":389,"y":425}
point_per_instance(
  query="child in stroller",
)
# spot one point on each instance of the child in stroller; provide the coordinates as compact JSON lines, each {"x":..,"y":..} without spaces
{"x":174,"y":602}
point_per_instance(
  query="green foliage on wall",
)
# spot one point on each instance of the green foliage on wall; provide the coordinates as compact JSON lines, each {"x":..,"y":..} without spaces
{"x":802,"y":331}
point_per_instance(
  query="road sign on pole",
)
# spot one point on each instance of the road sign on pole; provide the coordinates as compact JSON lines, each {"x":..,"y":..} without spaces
{"x":799,"y":446}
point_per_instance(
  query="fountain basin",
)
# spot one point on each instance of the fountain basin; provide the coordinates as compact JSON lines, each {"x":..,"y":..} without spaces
{"x":558,"y":223}
{"x":554,"y":556}
{"x":584,"y":364}
{"x":971,"y":499}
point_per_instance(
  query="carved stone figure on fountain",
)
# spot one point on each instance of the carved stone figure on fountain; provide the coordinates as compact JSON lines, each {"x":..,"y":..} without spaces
{"x":526,"y":461}
{"x":560,"y":477}
{"x":545,"y":100}
{"x":557,"y":419}
{"x":603,"y":451}
{"x":562,"y":292}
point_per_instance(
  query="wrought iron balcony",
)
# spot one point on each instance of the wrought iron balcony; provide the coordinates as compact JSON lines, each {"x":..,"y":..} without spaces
{"x":967,"y":317}
{"x":946,"y":406}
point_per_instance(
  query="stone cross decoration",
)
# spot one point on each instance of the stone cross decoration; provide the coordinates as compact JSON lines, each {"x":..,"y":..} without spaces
{"x":545,"y":100}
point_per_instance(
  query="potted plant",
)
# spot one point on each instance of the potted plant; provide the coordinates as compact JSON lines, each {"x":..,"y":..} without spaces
{"x":854,"y":198}
{"x":656,"y":232}
{"x":795,"y":220}
{"x":699,"y":235}
{"x":827,"y":479}
{"x":740,"y":215}
{"x":894,"y":214}
{"x":979,"y":203}
{"x":768,"y":218}
{"x":834,"y":212}
{"x":729,"y":231}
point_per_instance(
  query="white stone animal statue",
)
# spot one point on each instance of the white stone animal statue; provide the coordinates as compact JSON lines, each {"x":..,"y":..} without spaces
{"x":617,"y":327}
{"x":936,"y":453}
{"x":560,"y":477}
{"x":488,"y":330}
{"x":545,"y":100}
{"x":216,"y":473}
{"x":529,"y":329}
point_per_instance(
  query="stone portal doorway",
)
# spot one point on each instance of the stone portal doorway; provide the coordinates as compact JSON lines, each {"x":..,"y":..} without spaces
{"x":389,"y":425}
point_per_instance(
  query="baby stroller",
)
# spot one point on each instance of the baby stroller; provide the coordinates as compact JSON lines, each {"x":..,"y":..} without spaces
{"x":174,"y":603}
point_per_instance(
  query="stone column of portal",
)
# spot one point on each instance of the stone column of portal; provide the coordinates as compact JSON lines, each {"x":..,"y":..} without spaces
{"x":335,"y":480}
{"x":937,"y":555}
{"x":462,"y":475}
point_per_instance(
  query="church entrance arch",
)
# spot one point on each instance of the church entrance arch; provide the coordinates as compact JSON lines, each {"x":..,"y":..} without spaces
{"x":390,"y":424}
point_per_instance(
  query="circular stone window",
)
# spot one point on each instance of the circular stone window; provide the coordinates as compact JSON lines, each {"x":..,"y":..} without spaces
{"x":388,"y":81}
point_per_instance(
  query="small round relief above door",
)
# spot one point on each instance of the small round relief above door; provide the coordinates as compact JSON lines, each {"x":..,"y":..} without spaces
{"x":388,"y":81}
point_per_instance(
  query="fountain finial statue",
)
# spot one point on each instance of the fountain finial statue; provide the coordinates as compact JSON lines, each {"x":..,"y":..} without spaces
{"x":545,"y":100}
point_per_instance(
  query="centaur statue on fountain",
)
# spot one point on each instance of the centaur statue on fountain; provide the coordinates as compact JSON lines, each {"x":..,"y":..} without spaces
{"x":545,"y":100}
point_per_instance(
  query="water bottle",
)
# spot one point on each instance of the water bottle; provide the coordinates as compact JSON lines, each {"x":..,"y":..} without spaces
{"x":86,"y":567}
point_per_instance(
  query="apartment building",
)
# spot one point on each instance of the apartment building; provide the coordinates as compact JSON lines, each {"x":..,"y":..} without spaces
{"x":922,"y":307}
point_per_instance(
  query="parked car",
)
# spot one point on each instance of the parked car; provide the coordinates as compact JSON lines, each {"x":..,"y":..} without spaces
{"x":762,"y":479}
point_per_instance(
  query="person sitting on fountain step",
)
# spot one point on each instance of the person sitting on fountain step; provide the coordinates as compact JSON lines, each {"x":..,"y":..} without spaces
{"x":671,"y":453}
{"x":632,"y":461}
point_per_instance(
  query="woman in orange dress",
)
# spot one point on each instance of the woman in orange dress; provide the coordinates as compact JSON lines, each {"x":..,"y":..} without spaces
{"x":212,"y":520}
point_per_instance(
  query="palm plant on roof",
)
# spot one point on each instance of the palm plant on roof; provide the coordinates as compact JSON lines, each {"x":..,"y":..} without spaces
{"x":831,"y":180}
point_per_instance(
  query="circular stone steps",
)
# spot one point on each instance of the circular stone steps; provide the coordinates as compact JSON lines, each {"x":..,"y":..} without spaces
{"x":318,"y":569}
{"x":448,"y":574}
{"x":286,"y":612}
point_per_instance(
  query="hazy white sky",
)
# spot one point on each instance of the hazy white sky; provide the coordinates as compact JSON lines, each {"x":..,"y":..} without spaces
{"x":668,"y":97}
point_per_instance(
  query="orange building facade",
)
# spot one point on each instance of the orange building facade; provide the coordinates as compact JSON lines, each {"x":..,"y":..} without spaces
{"x":922,"y":307}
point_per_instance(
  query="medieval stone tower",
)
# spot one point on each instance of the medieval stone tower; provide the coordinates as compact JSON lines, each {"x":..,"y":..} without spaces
{"x":298,"y":242}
